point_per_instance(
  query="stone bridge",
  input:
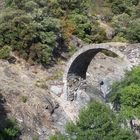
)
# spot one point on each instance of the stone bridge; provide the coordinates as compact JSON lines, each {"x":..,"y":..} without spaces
{"x":79,"y":62}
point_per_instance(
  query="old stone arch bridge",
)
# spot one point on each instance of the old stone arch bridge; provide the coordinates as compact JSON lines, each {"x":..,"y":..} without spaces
{"x":114,"y":58}
{"x":79,"y":62}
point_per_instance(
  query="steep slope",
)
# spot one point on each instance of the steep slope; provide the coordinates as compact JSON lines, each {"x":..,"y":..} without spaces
{"x":25,"y":92}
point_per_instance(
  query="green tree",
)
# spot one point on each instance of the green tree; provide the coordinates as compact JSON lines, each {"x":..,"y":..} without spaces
{"x":118,"y":7}
{"x":125,"y":95}
{"x":5,"y":52}
{"x":96,"y":121}
{"x":31,"y":35}
{"x":87,"y":30}
{"x":133,"y":31}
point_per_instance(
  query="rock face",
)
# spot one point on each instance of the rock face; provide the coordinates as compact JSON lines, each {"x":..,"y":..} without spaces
{"x":32,"y":105}
{"x":110,"y":32}
{"x":57,"y":90}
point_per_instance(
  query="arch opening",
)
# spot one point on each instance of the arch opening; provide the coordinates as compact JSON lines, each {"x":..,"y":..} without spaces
{"x":80,"y":65}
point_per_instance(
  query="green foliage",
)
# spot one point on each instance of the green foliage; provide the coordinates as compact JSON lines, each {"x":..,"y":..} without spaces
{"x":109,"y":53}
{"x":125,"y":95}
{"x":121,"y":22}
{"x":79,"y":6}
{"x":118,"y":7}
{"x":87,"y":30}
{"x":32,"y":39}
{"x":120,"y":38}
{"x":8,"y":2}
{"x":24,"y":99}
{"x":33,"y":28}
{"x":122,"y":15}
{"x":10,"y":131}
{"x":5,"y":52}
{"x":133,"y":31}
{"x":127,"y":27}
{"x":72,"y":50}
{"x":40,"y":30}
{"x":58,"y":137}
{"x":96,"y":121}
{"x":125,"y":6}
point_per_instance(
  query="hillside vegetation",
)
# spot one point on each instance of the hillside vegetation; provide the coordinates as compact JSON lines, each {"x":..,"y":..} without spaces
{"x":125,"y":95}
{"x":39,"y":30}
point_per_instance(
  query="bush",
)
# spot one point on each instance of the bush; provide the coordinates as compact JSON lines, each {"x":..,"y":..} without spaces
{"x":11,"y":130}
{"x":86,"y":30}
{"x":39,"y":30}
{"x":127,"y":28}
{"x":118,"y":7}
{"x":78,"y":6}
{"x":125,"y":95}
{"x":121,"y":22}
{"x":133,"y":31}
{"x":5,"y":52}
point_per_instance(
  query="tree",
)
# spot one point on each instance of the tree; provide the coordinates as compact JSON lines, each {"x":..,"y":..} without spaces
{"x":118,"y":7}
{"x":133,"y":31}
{"x":87,"y":30}
{"x":125,"y":95}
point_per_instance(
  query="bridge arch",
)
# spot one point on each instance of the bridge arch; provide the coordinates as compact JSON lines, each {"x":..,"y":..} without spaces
{"x":79,"y":62}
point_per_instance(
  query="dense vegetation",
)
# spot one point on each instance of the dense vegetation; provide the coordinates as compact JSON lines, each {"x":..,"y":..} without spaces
{"x":96,"y":122}
{"x":39,"y":30}
{"x":125,"y":95}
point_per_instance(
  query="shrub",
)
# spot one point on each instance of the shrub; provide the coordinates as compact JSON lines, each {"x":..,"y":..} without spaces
{"x":121,"y":22}
{"x":86,"y":30}
{"x":133,"y":31}
{"x":24,"y":99}
{"x":125,"y":95}
{"x":78,"y":6}
{"x":11,"y":130}
{"x":118,"y":7}
{"x":5,"y":52}
{"x":68,"y":28}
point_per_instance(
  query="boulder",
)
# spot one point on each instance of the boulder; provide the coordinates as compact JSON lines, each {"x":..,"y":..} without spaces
{"x":57,"y":90}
